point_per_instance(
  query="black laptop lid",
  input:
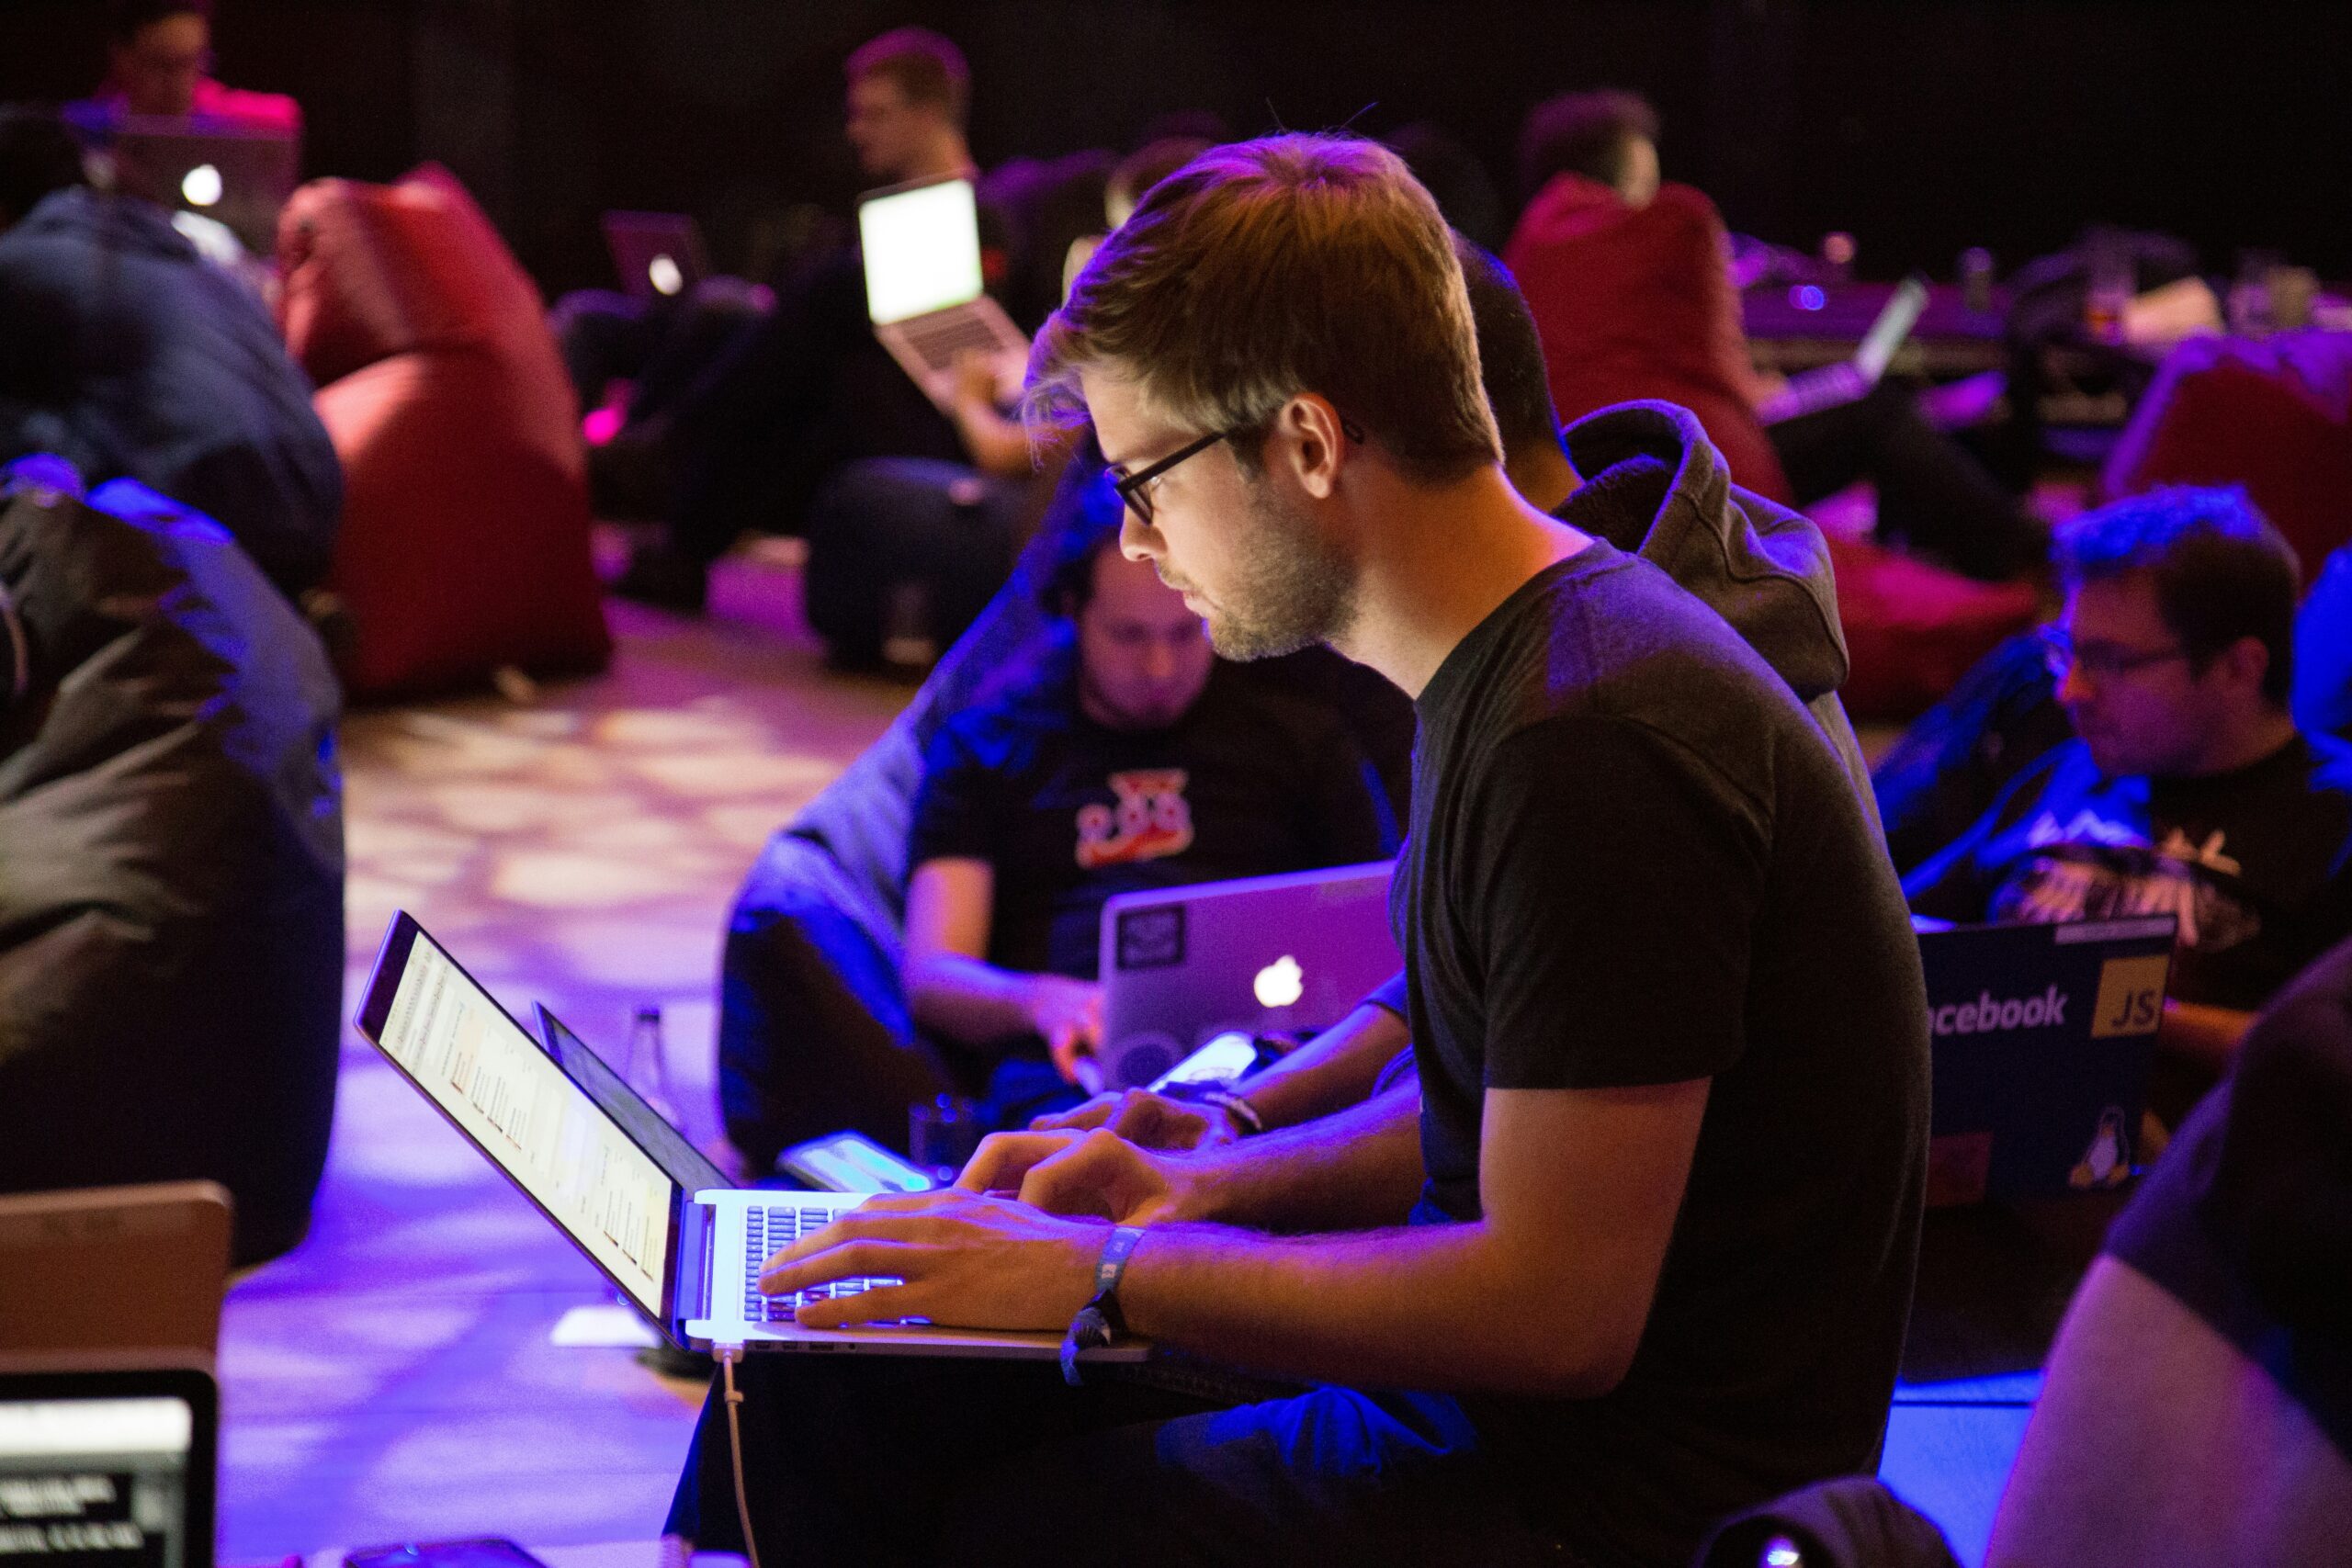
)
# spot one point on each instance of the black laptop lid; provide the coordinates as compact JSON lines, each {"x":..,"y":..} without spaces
{"x":111,"y":1469}
{"x":2043,"y":1035}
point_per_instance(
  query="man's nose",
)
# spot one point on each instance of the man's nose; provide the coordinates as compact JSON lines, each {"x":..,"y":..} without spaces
{"x":1158,"y":662}
{"x":1138,"y":540}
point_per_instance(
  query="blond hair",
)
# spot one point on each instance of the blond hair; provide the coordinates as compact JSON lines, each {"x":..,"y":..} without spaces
{"x":1265,"y":269}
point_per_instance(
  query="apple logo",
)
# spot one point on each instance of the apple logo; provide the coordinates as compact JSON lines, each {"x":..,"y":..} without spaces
{"x":1279,"y":984}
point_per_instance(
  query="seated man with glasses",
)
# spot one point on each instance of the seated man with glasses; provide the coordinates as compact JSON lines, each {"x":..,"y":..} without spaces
{"x":159,"y":64}
{"x":1129,"y":757}
{"x":2188,"y":789}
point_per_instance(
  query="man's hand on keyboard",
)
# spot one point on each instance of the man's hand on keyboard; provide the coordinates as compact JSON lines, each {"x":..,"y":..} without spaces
{"x":1149,"y":1121}
{"x":1098,"y":1174}
{"x":966,"y":1260}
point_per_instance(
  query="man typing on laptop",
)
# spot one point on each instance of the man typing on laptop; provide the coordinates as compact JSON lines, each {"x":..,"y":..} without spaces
{"x":1130,"y":758}
{"x":1667,"y":1015}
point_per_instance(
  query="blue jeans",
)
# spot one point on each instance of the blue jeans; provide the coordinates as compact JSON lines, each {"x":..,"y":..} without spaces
{"x":900,"y":1460}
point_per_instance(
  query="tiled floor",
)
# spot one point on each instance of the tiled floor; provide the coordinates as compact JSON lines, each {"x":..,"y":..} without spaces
{"x":393,"y":1379}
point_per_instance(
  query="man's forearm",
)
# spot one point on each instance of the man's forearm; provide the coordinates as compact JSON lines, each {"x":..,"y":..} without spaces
{"x":1353,"y":1170}
{"x":1331,"y":1071}
{"x":2206,"y":1035}
{"x":1425,"y":1306}
{"x":968,"y":1000}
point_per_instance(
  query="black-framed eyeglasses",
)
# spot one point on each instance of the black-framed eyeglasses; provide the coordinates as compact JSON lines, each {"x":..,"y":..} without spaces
{"x":1131,"y":487}
{"x":2098,"y":661}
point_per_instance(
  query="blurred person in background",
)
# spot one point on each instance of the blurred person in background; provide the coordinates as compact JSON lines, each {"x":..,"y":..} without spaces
{"x":159,"y":64}
{"x":127,"y":354}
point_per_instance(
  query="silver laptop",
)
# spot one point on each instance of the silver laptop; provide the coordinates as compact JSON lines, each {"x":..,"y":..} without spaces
{"x":2043,"y":1036}
{"x":1184,"y":964}
{"x":656,"y":255}
{"x":238,"y":178}
{"x":1852,"y":380}
{"x":924,"y":286}
{"x":688,"y":1255}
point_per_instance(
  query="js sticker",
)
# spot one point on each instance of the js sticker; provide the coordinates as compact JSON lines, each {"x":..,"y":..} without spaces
{"x":2131,"y":995}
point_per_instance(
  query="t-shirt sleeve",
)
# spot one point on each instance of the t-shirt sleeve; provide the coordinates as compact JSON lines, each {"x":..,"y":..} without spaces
{"x":1395,"y":995}
{"x":955,"y":812}
{"x":1615,"y":895}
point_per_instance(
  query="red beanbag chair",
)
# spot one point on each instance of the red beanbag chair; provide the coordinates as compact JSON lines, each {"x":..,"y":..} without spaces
{"x":465,"y":533}
{"x":1912,"y":629}
{"x":2272,"y":416}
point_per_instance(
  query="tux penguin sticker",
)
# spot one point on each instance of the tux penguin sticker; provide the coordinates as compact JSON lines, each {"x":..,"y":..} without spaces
{"x":2108,"y":1160}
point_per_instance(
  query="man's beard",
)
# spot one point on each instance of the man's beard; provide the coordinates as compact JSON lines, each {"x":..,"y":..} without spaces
{"x":1296,"y":589}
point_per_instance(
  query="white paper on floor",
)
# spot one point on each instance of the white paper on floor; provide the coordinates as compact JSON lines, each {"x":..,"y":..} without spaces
{"x":607,"y":1325}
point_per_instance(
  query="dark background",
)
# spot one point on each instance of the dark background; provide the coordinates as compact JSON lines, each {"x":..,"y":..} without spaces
{"x":1921,"y":126}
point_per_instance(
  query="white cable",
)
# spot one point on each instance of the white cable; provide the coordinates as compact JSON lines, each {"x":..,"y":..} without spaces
{"x":728,"y":1356}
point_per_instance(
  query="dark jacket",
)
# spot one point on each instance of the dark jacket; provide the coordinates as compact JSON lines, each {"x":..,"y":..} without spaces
{"x":126,"y":353}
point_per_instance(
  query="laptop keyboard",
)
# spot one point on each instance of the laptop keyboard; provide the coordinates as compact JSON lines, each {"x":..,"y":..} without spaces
{"x":943,"y":338}
{"x":766,"y":1232}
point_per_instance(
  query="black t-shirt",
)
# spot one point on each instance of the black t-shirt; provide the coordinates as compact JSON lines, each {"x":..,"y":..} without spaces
{"x":1634,"y":859}
{"x":1250,"y":782}
{"x":2248,"y":1219}
{"x":2255,"y":861}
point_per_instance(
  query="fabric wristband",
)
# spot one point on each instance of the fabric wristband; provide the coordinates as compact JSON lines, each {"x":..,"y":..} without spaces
{"x":1098,"y":1323}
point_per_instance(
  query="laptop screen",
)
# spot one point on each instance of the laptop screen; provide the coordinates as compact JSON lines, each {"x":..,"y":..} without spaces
{"x":1893,"y":326}
{"x":491,"y":1078}
{"x":686,"y":1165}
{"x":922,"y":250}
{"x":102,"y":1469}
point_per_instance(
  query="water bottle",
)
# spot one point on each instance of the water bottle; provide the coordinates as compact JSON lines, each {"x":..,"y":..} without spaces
{"x":646,"y":1068}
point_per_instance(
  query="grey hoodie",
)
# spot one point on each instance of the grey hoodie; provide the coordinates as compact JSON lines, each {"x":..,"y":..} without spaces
{"x":1655,"y":487}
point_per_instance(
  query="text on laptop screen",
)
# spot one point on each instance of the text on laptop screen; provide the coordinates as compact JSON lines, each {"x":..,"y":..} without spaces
{"x":95,"y":1481}
{"x":922,"y":250}
{"x":540,"y":1127}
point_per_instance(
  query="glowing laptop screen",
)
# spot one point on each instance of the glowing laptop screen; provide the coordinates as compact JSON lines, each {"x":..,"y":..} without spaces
{"x":922,"y":250}
{"x":541,"y":1128}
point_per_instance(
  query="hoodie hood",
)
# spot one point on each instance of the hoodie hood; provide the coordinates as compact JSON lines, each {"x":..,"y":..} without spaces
{"x":1655,"y":486}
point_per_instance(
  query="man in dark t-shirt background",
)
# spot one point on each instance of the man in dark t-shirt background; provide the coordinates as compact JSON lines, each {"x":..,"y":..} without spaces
{"x":1130,"y":758}
{"x":1645,"y":1257}
{"x":2186,"y":790}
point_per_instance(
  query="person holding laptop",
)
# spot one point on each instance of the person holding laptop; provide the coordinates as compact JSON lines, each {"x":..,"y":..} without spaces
{"x":2187,"y":789}
{"x":1128,"y":757}
{"x":806,"y":390}
{"x":1646,"y":1255}
{"x":1628,"y":281}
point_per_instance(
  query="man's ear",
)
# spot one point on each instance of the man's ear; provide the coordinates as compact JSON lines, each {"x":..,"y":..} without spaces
{"x":1311,"y":436}
{"x":2247,"y":661}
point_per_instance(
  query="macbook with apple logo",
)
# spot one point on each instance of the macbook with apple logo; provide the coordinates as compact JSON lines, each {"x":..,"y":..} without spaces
{"x":1293,"y":953}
